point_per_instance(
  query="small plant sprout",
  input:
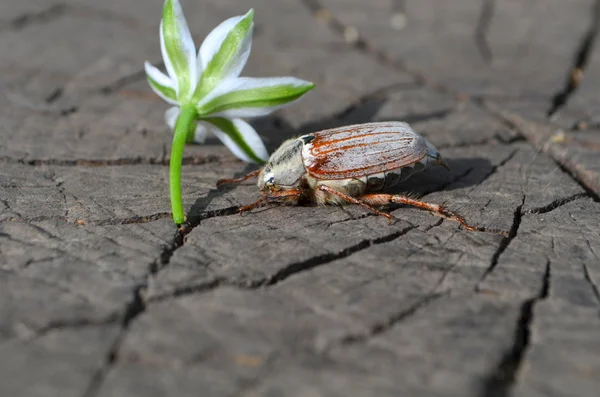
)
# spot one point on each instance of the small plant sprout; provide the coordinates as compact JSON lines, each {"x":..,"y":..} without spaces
{"x":207,"y":93}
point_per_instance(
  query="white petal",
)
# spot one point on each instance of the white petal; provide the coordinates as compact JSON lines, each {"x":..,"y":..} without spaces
{"x":161,"y":79}
{"x":214,"y":40}
{"x":157,"y":75}
{"x":171,"y":117}
{"x":183,"y":68}
{"x":239,"y":61}
{"x":201,"y":133}
{"x":249,"y":135}
{"x":249,"y":83}
{"x":167,"y":61}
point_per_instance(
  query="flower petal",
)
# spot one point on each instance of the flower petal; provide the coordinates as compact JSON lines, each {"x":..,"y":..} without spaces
{"x":160,"y":84}
{"x":171,"y":116}
{"x":240,"y":138}
{"x":178,"y":49}
{"x":252,"y":97}
{"x":201,"y":133}
{"x":224,"y":52}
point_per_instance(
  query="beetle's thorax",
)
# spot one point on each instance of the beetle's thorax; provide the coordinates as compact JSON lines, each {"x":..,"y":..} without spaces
{"x":285,"y":169}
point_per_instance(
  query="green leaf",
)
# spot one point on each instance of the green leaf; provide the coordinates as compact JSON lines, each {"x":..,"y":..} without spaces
{"x":255,"y":98}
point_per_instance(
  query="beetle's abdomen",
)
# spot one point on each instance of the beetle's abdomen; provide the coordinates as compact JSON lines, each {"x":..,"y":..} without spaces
{"x":385,"y":180}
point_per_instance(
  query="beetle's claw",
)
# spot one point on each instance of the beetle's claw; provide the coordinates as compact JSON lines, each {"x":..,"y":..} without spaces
{"x":390,"y":218}
{"x":451,"y":215}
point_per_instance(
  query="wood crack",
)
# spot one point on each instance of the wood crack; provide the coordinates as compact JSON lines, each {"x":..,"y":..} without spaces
{"x":132,"y":220}
{"x":483,"y":26}
{"x":188,"y":160}
{"x":385,"y":325}
{"x":497,"y":167}
{"x":61,"y":324}
{"x":540,"y":135}
{"x":438,"y":223}
{"x":284,"y":273}
{"x":132,"y":310}
{"x":138,"y":303}
{"x":588,"y":277}
{"x":504,"y":243}
{"x":191,"y":289}
{"x":555,"y":204}
{"x":178,"y":240}
{"x":321,"y":260}
{"x":503,"y":377}
{"x":380,"y":327}
{"x":581,"y":60}
{"x":593,"y":285}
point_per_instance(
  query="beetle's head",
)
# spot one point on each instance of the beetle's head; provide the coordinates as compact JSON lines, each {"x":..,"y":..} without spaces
{"x":435,"y":157}
{"x":284,"y":170}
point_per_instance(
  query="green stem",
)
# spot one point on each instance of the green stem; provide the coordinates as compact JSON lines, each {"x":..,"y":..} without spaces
{"x":191,"y":135}
{"x":186,"y":122}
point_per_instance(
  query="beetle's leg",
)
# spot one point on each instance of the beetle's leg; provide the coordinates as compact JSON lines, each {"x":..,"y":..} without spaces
{"x":238,"y":180}
{"x":252,"y":206}
{"x":356,"y":201}
{"x":382,"y":199}
{"x":274,"y":196}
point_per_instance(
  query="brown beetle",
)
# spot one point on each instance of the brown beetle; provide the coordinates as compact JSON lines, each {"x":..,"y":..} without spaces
{"x":350,"y":164}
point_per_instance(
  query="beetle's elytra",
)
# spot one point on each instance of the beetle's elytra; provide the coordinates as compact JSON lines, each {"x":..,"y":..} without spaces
{"x":350,"y":164}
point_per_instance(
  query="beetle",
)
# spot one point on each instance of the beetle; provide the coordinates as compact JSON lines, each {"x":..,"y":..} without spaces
{"x":350,"y":164}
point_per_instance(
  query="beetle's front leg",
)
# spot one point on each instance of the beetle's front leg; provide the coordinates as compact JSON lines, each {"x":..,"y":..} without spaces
{"x":353,"y":200}
{"x":382,"y":199}
{"x":238,"y":180}
{"x":273,"y":196}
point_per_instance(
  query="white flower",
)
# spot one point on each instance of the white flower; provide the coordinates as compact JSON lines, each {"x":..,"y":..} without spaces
{"x":209,"y":81}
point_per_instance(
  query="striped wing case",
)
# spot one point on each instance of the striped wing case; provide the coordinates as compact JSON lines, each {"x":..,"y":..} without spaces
{"x":364,"y":149}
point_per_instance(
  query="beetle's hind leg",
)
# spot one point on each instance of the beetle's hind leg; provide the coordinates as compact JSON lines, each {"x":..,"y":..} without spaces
{"x":357,"y":201}
{"x":238,"y":180}
{"x":383,"y":199}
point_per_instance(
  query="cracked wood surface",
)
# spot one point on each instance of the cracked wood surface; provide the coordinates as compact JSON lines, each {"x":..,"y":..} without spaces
{"x":101,"y":296}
